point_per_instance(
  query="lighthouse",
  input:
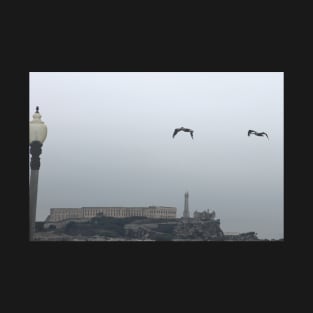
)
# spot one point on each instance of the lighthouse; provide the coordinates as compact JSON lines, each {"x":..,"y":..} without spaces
{"x":186,"y":207}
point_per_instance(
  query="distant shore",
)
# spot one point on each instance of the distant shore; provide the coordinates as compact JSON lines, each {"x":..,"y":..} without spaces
{"x":47,"y":236}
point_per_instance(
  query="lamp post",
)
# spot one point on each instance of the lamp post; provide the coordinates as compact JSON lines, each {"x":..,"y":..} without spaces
{"x":37,"y":135}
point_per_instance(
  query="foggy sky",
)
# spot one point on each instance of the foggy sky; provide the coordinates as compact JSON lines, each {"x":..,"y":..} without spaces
{"x":110,"y":143}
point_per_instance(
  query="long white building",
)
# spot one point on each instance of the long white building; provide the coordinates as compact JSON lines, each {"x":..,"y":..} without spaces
{"x":61,"y":214}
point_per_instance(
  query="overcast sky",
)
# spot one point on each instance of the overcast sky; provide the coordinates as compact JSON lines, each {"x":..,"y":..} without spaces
{"x":110,"y":143}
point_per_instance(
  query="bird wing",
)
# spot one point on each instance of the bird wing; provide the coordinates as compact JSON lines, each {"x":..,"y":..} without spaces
{"x":265,"y":135}
{"x":175,"y":132}
{"x":191,"y":134}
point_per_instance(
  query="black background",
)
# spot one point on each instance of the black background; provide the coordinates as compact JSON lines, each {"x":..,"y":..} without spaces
{"x":255,"y":270}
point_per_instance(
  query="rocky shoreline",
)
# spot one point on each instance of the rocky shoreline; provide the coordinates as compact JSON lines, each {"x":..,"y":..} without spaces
{"x":53,"y":237}
{"x":202,"y":227}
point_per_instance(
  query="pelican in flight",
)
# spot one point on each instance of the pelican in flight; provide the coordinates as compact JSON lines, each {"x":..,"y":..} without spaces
{"x":184,"y":130}
{"x":256,"y":133}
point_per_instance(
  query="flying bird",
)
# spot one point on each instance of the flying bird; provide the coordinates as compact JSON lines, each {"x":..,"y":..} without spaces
{"x":256,"y":133}
{"x":184,"y":130}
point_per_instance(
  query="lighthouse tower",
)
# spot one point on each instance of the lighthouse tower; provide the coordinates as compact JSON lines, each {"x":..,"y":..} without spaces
{"x":186,"y":208}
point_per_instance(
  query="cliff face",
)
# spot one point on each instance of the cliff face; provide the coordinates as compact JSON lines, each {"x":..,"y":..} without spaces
{"x":202,"y":227}
{"x":181,"y":229}
{"x":199,"y":230}
{"x":162,"y":231}
{"x":143,"y":229}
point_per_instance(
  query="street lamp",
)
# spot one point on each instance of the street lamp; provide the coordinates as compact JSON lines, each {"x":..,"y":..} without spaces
{"x":37,"y":135}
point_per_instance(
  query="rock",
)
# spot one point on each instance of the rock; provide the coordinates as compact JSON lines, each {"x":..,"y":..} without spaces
{"x":199,"y":229}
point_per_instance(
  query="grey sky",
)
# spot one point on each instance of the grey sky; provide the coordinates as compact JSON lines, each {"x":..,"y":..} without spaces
{"x":110,"y":143}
